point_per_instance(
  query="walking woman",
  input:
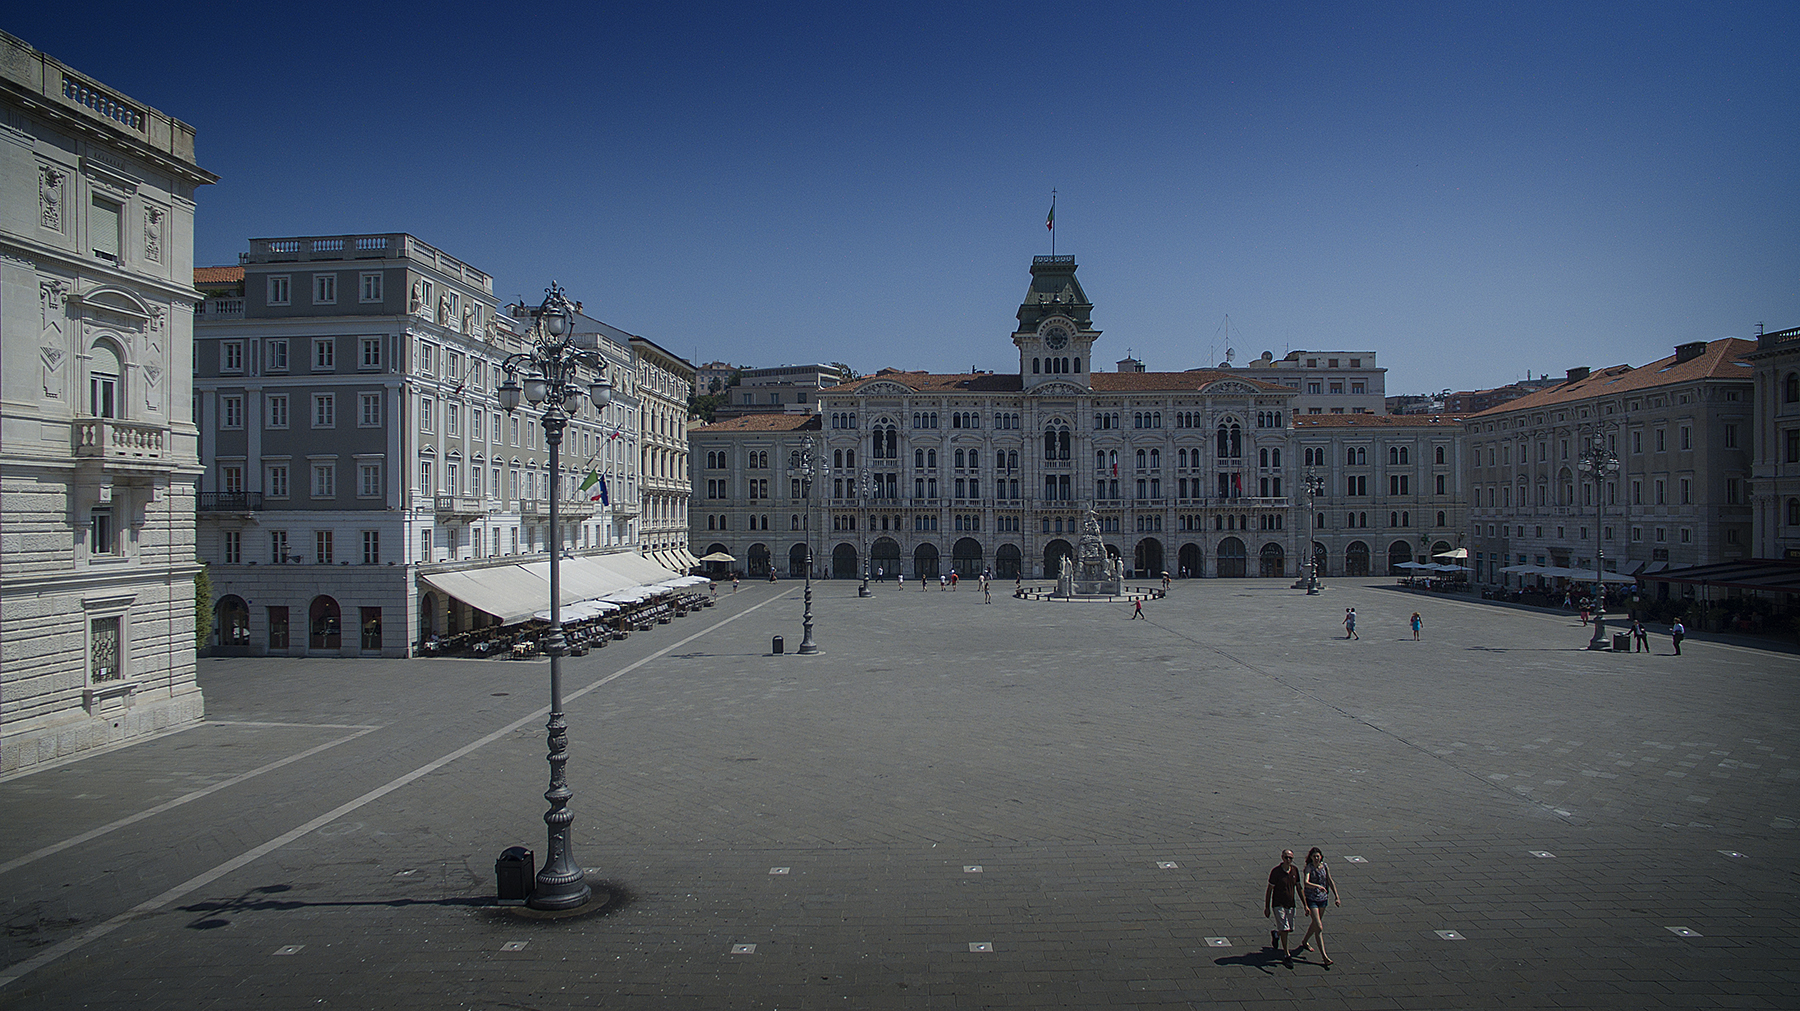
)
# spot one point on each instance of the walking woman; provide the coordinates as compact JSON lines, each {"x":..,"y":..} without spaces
{"x":1319,"y":889}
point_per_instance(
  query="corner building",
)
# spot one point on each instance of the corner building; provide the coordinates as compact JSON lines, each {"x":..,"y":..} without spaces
{"x":97,"y":445}
{"x":1188,"y":472}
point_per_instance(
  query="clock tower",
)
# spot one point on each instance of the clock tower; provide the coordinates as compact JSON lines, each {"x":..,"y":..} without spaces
{"x":1056,"y":333}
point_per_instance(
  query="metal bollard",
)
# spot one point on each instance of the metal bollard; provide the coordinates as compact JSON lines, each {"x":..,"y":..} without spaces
{"x":778,"y":646}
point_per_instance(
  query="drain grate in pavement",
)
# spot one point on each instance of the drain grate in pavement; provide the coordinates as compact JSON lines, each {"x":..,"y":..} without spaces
{"x":1449,"y":935}
{"x":1166,"y":865}
{"x":1357,"y":860}
{"x":1542,"y":854}
{"x":981,"y":946}
{"x":778,"y":870}
{"x":1734,"y":854}
{"x":514,"y":946}
{"x":743,"y":949}
{"x":1684,"y":932}
{"x":294,"y":949}
{"x":971,"y":868}
{"x":1218,"y":942}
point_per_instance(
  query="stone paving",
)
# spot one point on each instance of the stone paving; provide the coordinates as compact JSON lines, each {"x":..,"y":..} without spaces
{"x":955,"y":805}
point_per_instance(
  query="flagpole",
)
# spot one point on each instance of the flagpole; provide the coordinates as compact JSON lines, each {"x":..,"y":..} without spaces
{"x":1050,"y":222}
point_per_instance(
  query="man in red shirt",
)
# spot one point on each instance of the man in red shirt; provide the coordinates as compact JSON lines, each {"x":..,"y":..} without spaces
{"x":1278,"y":900}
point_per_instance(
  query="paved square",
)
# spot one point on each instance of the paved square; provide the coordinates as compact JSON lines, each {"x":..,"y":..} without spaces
{"x":956,"y":804}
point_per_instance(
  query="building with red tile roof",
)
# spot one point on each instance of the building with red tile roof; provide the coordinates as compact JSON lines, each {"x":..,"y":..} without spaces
{"x":1672,"y":442}
{"x":916,"y":472}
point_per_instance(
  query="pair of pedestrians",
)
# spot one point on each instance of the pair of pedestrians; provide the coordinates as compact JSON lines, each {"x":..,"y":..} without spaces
{"x":1316,"y":888}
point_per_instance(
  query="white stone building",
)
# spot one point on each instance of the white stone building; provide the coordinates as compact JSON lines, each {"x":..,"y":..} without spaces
{"x":665,"y":383}
{"x":1775,"y":483}
{"x":1188,"y":472}
{"x":1391,"y":489}
{"x":360,"y":474}
{"x":97,"y":442}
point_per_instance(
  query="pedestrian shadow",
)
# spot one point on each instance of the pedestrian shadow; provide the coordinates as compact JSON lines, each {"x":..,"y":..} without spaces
{"x":1264,"y":960}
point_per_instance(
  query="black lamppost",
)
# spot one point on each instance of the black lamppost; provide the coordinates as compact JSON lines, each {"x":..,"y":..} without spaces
{"x":806,"y":471}
{"x":863,"y":521}
{"x":1600,"y":463}
{"x":553,"y":369}
{"x":1315,"y":486}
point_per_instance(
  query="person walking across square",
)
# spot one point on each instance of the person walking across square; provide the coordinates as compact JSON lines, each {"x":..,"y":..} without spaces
{"x":1640,"y":637}
{"x":1677,"y":632}
{"x":1320,"y":891}
{"x":1278,"y":901}
{"x":1137,"y":610}
{"x":1350,"y":623}
{"x":1418,"y":623}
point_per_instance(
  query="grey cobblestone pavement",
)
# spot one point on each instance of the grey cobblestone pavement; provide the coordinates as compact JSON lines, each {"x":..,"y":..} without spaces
{"x":956,"y":805}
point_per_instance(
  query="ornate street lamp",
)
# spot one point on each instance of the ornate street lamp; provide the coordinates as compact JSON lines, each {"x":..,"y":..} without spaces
{"x":553,"y":375}
{"x":1315,"y":486}
{"x":1600,"y":463}
{"x":806,"y":471}
{"x":863,"y":521}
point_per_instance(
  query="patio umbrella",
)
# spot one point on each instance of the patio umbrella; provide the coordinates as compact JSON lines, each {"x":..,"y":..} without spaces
{"x":717,"y":556}
{"x":1456,"y":553}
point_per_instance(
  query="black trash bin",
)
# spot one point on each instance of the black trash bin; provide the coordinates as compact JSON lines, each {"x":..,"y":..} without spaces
{"x":778,"y":646}
{"x":515,"y":872}
{"x":1621,"y":642}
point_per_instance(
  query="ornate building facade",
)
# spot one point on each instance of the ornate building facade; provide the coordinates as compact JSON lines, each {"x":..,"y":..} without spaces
{"x":918,"y":473}
{"x":1390,"y":490}
{"x":97,"y":442}
{"x":665,"y":382}
{"x":360,"y":473}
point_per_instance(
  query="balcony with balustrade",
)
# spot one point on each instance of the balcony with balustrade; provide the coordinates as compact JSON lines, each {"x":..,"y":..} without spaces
{"x":228,"y":501}
{"x":121,"y":445}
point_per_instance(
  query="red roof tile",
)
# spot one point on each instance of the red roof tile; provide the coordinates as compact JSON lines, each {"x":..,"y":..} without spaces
{"x":761,"y":423}
{"x":218,"y":275}
{"x":1376,"y":420}
{"x":1722,"y":359}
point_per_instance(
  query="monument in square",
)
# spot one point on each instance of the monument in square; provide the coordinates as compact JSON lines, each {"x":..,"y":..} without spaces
{"x":1090,"y":572}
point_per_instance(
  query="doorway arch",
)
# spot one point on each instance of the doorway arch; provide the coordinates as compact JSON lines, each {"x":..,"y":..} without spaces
{"x":1273,"y":561}
{"x":1191,"y":560}
{"x":1398,"y":552}
{"x":884,"y":554}
{"x":797,"y":561}
{"x":965,"y":557}
{"x":324,"y":624}
{"x":1356,"y":559}
{"x":758,"y":566}
{"x":925,"y":561}
{"x":1054,"y":552}
{"x":843,"y":561}
{"x":1232,"y":564}
{"x":1147,"y":558}
{"x":1007,"y":562}
{"x":231,"y":622}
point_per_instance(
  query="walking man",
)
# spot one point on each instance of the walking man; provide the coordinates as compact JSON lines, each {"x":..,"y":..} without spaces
{"x":1350,"y":623}
{"x":1278,"y":901}
{"x":1640,"y":637}
{"x":1677,"y":632}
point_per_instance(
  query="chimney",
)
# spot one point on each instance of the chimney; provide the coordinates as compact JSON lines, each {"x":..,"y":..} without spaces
{"x":1577,"y":374}
{"x":1689,"y":351}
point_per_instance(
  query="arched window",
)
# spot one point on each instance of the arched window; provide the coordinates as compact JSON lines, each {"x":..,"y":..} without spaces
{"x":1440,"y":454}
{"x":1034,"y":366}
{"x":1791,"y":388}
{"x":1141,"y":456}
{"x":1012,"y":460}
{"x":850,"y":458}
{"x":1793,"y":512}
{"x":1099,"y":460}
{"x":1275,"y":458}
{"x":1156,"y":459}
{"x":959,"y":459}
{"x":1063,"y":444}
{"x":104,"y":370}
{"x":919,"y":458}
{"x":931,"y":459}
{"x":1440,"y":518}
{"x":1049,"y":444}
{"x":1262,"y":458}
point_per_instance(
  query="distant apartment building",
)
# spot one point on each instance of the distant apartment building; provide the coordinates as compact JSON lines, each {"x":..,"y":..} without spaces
{"x":665,"y":383}
{"x":97,"y":447}
{"x":1476,"y":401}
{"x":363,"y":488}
{"x":714,"y":372}
{"x":1682,"y":430}
{"x":1775,"y":479}
{"x":778,"y":389}
{"x":1328,"y":382}
{"x":1390,"y":490}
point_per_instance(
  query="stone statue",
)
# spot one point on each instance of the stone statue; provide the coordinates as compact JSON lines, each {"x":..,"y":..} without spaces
{"x":416,"y":303}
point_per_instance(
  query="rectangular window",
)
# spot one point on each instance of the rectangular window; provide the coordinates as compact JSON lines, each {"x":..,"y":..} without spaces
{"x":280,"y":290}
{"x":1687,"y":491}
{"x":452,"y":418}
{"x":371,"y":545}
{"x":1687,"y":437}
{"x":368,"y":480}
{"x":425,"y":405}
{"x":1440,"y":487}
{"x":231,"y":412}
{"x":1793,"y":446}
{"x":324,"y":480}
{"x":1730,"y":436}
{"x":103,"y":228}
{"x":100,"y":532}
{"x":233,"y":547}
{"x":322,"y":547}
{"x":371,"y":352}
{"x":231,"y":478}
{"x":370,"y":287}
{"x":278,"y":547}
{"x":371,"y":628}
{"x":324,"y":410}
{"x":324,"y":289}
{"x":231,"y":356}
{"x":369,"y":410}
{"x":278,"y":355}
{"x":106,"y":649}
{"x":1662,"y":439}
{"x":278,"y":410}
{"x":277,"y":480}
{"x":1397,"y":484}
{"x":428,"y":359}
{"x":324,"y":354}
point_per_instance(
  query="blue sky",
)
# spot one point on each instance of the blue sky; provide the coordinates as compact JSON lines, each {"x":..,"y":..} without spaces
{"x":1472,"y":191}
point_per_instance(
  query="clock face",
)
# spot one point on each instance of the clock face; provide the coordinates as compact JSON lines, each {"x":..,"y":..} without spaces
{"x":1056,"y":336}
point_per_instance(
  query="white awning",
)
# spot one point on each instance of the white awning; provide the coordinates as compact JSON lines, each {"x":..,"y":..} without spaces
{"x":635,"y":567}
{"x":582,"y":578}
{"x":687,"y":558}
{"x":509,"y":592}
